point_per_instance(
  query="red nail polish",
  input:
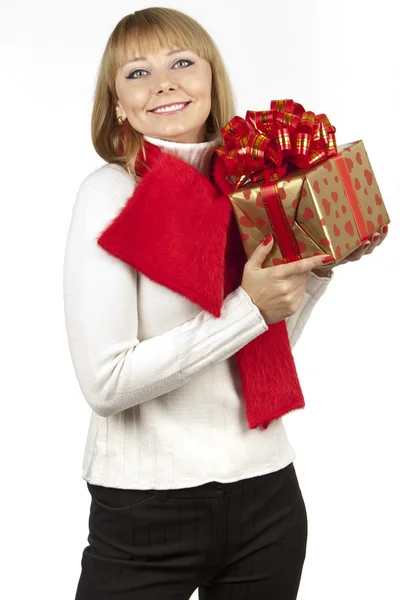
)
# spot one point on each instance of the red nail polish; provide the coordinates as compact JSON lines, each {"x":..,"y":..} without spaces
{"x":385,"y":229}
{"x":327,"y":259}
{"x":267,"y":239}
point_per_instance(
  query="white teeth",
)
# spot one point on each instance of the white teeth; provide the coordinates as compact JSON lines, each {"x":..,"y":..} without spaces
{"x":170,"y":108}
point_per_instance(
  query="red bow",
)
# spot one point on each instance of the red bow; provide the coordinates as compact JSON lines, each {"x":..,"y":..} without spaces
{"x":268,"y":143}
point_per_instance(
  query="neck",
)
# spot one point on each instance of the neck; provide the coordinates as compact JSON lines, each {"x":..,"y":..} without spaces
{"x":197,"y":154}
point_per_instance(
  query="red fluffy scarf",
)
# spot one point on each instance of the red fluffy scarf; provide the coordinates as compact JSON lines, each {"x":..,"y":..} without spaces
{"x":178,"y":228}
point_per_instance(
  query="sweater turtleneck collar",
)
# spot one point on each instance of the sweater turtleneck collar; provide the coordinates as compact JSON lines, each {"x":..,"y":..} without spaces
{"x":196,"y":154}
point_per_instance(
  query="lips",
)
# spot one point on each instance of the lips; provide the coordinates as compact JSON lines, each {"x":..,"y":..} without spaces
{"x":171,"y":104}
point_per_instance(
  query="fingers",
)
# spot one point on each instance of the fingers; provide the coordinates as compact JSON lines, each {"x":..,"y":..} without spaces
{"x":297,"y":267}
{"x":369,"y":245}
{"x":376,"y":239}
{"x":357,"y":254}
{"x":384,"y":231}
{"x":307,"y":264}
{"x":368,"y":249}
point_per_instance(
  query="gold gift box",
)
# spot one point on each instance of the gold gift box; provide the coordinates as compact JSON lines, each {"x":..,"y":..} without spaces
{"x":331,"y":208}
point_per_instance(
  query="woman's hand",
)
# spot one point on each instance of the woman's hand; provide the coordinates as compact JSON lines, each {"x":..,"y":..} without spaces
{"x":366,"y":248}
{"x":277,"y":291}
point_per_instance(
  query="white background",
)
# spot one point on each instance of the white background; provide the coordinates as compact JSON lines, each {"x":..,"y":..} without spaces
{"x":338,"y":57}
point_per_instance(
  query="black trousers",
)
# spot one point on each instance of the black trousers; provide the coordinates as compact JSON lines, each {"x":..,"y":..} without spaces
{"x":244,"y":540}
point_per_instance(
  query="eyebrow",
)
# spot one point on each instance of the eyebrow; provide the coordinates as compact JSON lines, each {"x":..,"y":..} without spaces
{"x":138,"y":58}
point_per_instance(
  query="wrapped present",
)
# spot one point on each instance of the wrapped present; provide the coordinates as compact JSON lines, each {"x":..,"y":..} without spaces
{"x":287,"y":176}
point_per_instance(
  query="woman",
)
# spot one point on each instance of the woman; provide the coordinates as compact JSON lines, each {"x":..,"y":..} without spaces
{"x":185,"y":495}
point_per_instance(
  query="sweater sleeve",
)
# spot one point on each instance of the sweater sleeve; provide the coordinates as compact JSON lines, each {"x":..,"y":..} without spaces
{"x":316,"y":286}
{"x":115,"y":370}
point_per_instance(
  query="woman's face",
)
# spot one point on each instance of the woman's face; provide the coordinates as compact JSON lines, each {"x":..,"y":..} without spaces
{"x":175,"y":79}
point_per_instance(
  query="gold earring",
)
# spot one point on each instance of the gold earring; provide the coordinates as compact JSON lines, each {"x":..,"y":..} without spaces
{"x":120,"y":121}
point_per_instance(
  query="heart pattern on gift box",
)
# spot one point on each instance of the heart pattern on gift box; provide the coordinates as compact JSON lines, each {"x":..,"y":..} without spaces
{"x":282,"y":193}
{"x":368,"y":176}
{"x":308,"y":214}
{"x":349,"y":164}
{"x":245,"y":221}
{"x":316,"y":208}
{"x":340,"y":229}
{"x":327,"y":206}
{"x":349,"y":228}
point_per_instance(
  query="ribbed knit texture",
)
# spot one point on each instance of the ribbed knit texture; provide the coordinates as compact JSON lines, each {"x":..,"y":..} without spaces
{"x":158,"y":373}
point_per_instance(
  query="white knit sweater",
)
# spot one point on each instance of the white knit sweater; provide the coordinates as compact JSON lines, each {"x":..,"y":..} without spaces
{"x":159,"y":373}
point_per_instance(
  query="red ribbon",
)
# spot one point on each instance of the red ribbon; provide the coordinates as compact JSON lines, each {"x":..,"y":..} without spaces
{"x":268,"y":143}
{"x":281,"y":228}
{"x":351,"y":194}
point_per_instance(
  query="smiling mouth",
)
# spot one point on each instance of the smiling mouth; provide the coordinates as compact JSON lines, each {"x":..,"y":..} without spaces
{"x":168,"y":110}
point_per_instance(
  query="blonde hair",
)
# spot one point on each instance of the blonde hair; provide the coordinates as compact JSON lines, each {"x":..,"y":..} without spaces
{"x":147,"y":31}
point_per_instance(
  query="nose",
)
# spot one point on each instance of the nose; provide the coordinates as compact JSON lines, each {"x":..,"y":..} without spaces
{"x":165,"y":88}
{"x":165,"y":84}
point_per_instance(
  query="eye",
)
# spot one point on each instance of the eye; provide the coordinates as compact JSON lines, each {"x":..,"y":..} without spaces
{"x":133,"y":75}
{"x":136,"y":74}
{"x":183,"y":60}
